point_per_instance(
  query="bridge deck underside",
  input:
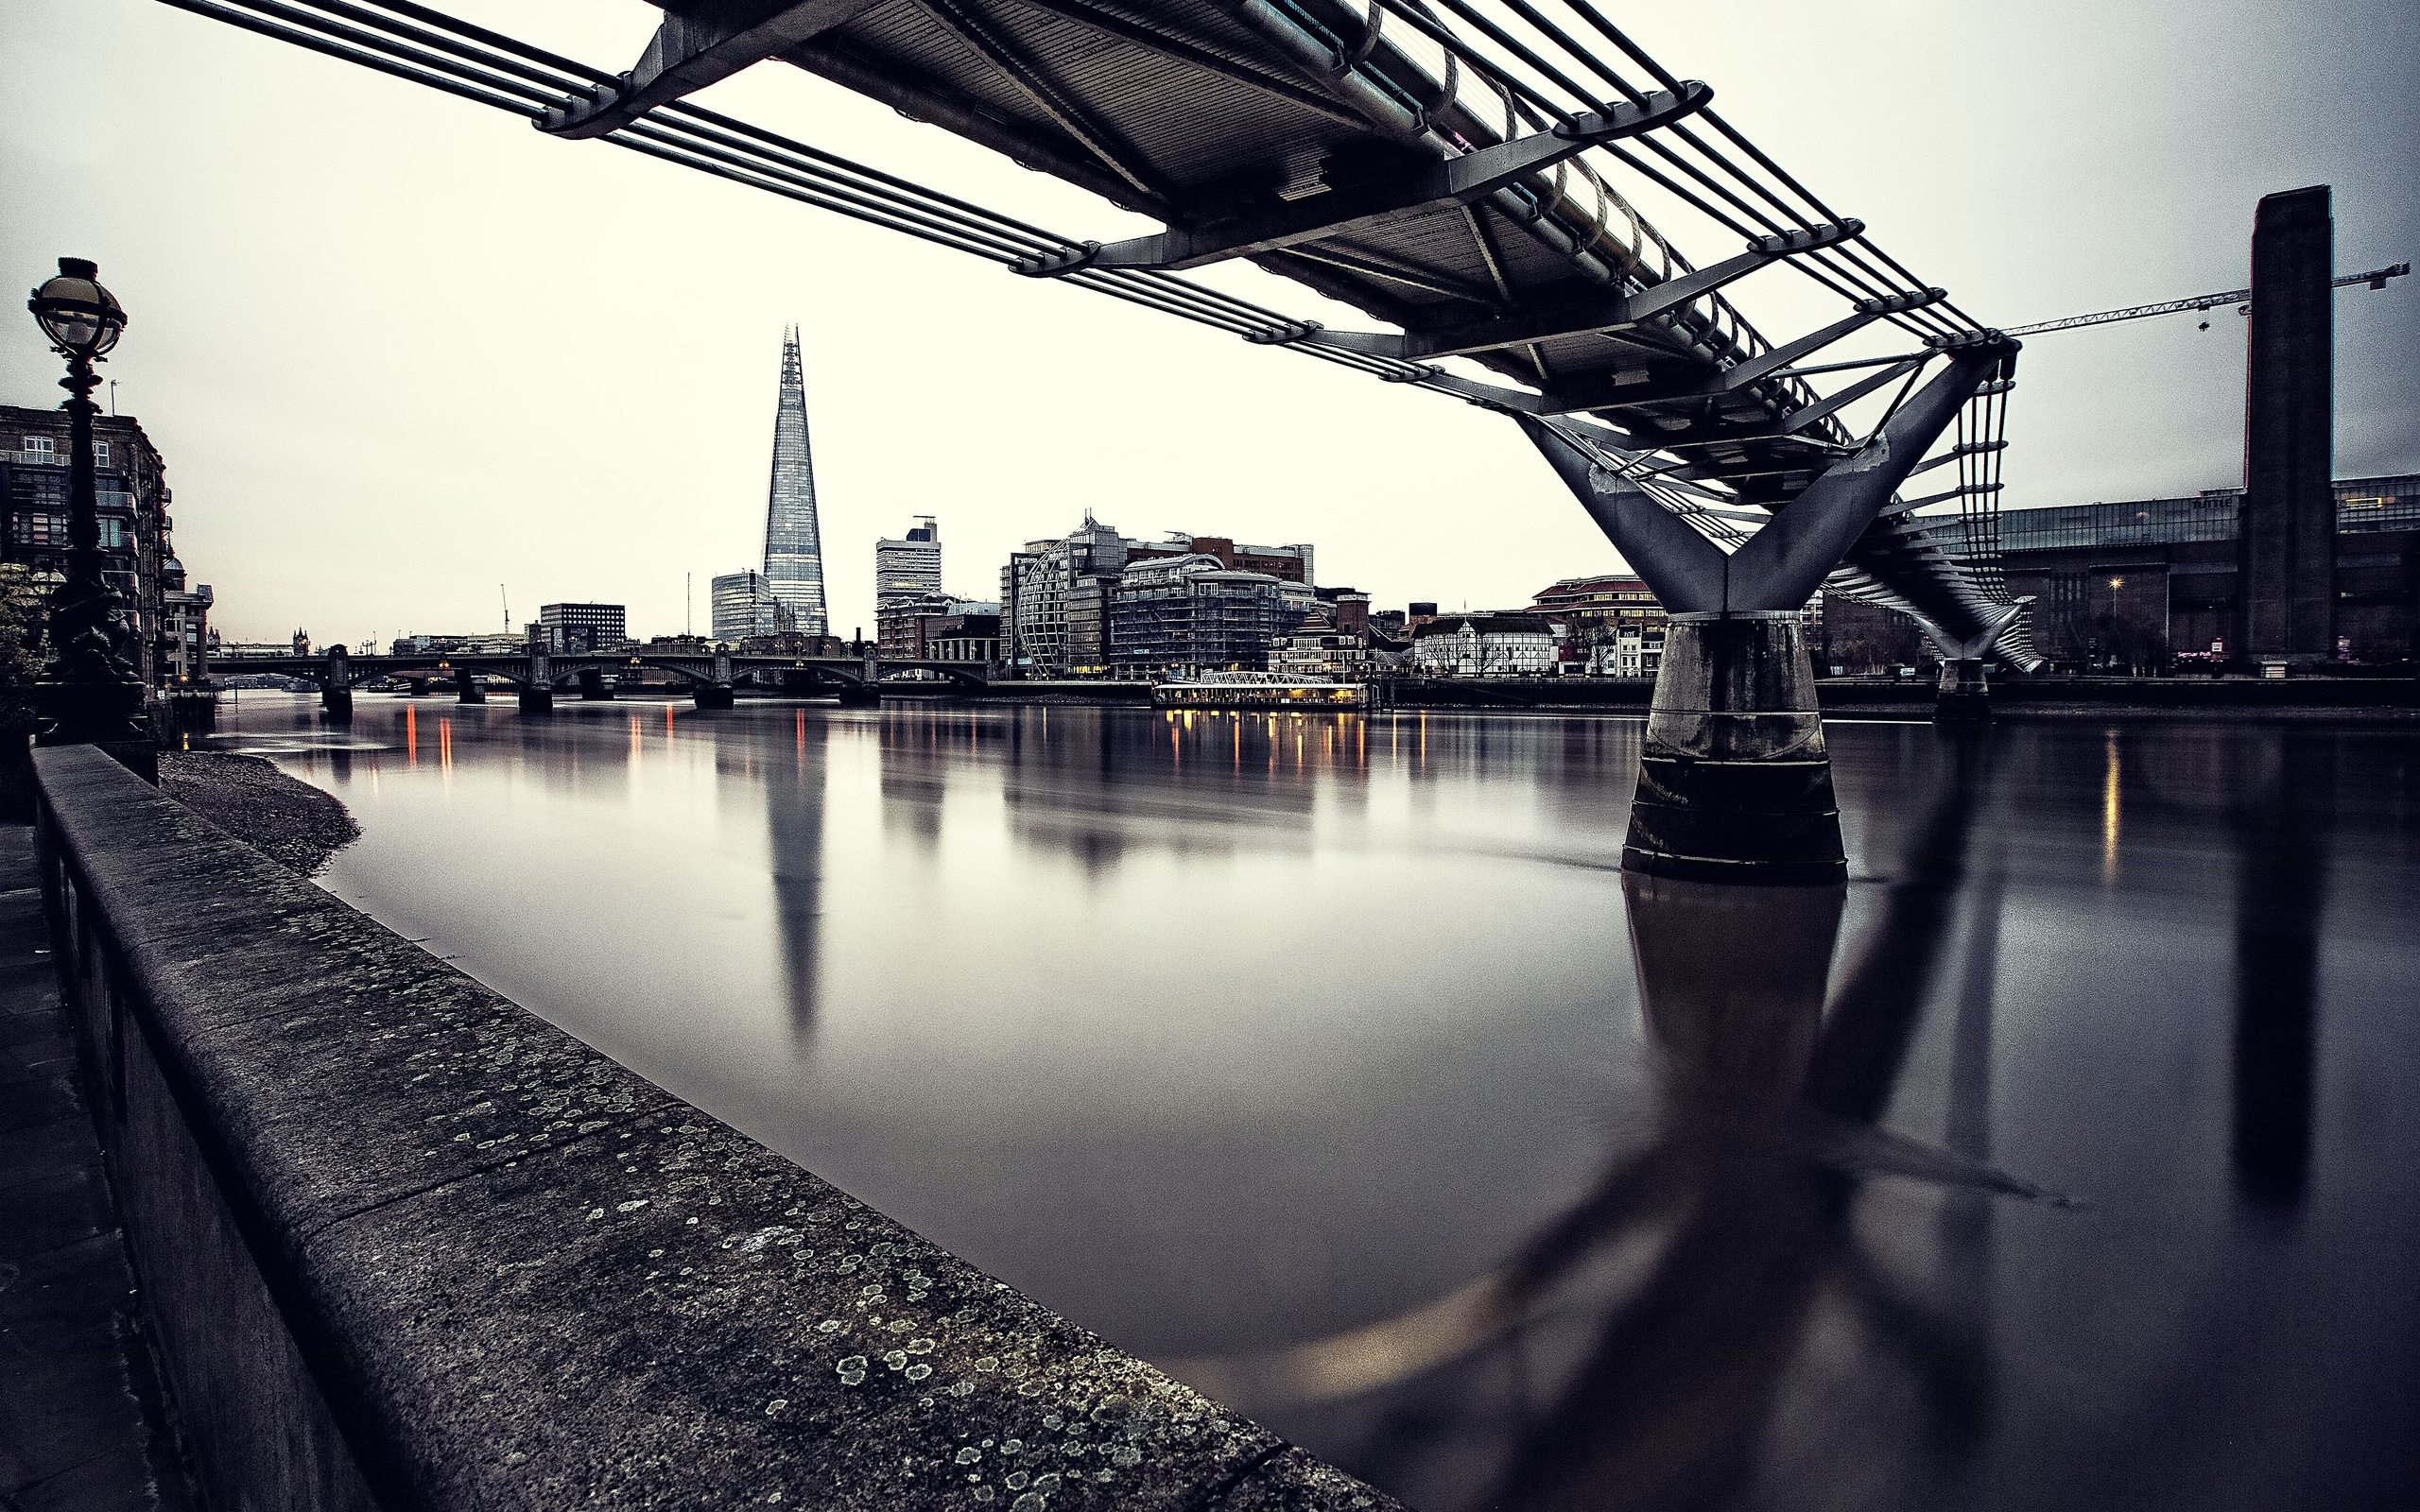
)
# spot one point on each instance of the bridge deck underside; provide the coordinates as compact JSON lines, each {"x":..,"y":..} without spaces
{"x":1169,"y":126}
{"x":1211,"y":116}
{"x":1414,"y":160}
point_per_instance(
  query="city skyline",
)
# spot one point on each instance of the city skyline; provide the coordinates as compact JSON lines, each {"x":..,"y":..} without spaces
{"x":580,"y":477}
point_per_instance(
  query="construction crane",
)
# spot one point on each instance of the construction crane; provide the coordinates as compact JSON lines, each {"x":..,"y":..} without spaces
{"x":2376,"y":278}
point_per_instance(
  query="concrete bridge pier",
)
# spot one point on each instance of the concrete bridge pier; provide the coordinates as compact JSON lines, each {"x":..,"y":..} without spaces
{"x":336,"y":686}
{"x":713,"y":695}
{"x":466,"y":687}
{"x":1734,"y":783}
{"x":416,"y":687}
{"x":591,"y":686}
{"x":1963,"y":697}
{"x":538,"y":694}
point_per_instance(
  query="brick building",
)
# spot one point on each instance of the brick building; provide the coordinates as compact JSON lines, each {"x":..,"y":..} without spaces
{"x":164,"y":620}
{"x":1288,"y":564}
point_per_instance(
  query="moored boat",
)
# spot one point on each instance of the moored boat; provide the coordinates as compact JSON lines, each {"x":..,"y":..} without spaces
{"x":1258,"y":690}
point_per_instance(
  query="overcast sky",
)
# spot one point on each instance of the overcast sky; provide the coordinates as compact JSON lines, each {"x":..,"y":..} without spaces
{"x":398,"y":349}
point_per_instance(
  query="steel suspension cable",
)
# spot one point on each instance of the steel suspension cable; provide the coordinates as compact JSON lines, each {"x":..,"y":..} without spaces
{"x":765,"y":160}
{"x":489,"y":68}
{"x":1683,"y":131}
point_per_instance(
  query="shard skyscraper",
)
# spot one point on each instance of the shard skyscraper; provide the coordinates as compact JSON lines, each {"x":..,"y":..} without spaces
{"x":793,"y":539}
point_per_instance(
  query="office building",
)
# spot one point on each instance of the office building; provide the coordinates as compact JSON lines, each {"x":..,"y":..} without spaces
{"x":909,"y":569}
{"x":742,"y":605}
{"x":1054,"y":599}
{"x":2140,"y":583}
{"x":1058,"y":599}
{"x":567,"y":628}
{"x":793,"y":535}
{"x":1193,"y":611}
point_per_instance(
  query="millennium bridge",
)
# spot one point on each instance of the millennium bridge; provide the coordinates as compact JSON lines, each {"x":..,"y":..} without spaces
{"x":1470,"y":176}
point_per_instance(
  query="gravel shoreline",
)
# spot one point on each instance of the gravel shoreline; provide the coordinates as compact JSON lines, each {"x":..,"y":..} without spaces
{"x":292,"y":822}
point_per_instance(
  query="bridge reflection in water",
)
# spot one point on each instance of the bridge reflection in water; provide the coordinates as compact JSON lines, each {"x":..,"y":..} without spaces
{"x":1335,"y":1063}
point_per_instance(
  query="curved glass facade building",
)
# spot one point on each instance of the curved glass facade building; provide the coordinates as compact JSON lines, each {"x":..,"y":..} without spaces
{"x":793,"y":539}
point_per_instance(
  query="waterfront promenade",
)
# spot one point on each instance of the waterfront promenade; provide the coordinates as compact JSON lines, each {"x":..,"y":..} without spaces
{"x":81,"y":1418}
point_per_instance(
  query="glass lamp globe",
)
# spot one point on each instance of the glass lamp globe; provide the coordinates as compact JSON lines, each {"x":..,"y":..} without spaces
{"x":78,"y":314}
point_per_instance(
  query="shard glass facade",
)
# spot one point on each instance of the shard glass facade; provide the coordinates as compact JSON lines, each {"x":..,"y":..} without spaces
{"x":793,"y":540}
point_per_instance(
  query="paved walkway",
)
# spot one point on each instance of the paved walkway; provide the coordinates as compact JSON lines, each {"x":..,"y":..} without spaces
{"x":79,"y":1422}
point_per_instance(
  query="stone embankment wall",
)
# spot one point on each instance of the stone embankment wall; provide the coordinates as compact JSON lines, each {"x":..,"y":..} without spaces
{"x":408,"y":1247}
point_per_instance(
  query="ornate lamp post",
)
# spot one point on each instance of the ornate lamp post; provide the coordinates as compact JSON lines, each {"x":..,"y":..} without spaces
{"x":88,"y":694}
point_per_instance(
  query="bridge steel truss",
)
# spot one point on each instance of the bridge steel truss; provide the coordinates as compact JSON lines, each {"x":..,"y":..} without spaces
{"x":1453,"y":168}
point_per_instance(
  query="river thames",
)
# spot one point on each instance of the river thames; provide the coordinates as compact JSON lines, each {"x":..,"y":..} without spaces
{"x":2067,"y":1156}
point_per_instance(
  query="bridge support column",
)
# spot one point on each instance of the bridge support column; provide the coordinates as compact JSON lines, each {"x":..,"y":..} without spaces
{"x":466,"y":687}
{"x":336,"y":686}
{"x":1964,"y":697}
{"x":537,"y":701}
{"x":591,"y":686}
{"x":1735,"y":784}
{"x":713,"y":695}
{"x":416,"y":687}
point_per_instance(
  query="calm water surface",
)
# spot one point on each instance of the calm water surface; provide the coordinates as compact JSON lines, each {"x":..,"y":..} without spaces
{"x":2068,"y":1157}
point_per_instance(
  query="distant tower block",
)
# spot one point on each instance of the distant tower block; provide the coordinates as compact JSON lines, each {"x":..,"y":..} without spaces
{"x":2286,"y":602}
{"x":793,"y":537}
{"x":905,"y":571}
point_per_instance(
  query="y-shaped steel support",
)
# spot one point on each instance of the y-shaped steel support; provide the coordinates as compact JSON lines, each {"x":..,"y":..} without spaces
{"x":1735,"y":784}
{"x":1962,"y":695}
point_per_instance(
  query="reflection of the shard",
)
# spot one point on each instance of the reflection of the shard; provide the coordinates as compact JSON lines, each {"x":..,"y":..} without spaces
{"x":1648,"y":1334}
{"x":794,"y":799}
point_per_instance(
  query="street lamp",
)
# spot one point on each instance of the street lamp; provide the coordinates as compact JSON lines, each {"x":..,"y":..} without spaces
{"x":87,"y":694}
